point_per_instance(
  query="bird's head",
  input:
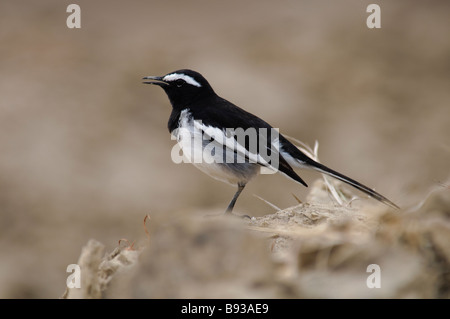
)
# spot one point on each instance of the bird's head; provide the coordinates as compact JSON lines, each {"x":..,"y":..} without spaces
{"x":182,"y":87}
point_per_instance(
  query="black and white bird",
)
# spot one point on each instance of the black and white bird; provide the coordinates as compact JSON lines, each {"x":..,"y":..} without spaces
{"x":199,"y":114}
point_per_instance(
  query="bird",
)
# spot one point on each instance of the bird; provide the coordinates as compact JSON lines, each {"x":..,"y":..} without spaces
{"x":206,"y":128}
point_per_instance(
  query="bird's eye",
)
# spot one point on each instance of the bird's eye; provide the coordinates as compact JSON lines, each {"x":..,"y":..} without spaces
{"x":179,"y":82}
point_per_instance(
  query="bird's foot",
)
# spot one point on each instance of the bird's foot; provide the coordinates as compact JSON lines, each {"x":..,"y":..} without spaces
{"x":227,"y":213}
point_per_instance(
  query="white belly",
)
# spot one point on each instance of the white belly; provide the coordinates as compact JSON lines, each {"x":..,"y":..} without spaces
{"x":210,"y":156}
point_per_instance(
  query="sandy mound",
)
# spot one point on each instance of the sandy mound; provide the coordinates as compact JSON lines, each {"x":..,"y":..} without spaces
{"x":307,"y":251}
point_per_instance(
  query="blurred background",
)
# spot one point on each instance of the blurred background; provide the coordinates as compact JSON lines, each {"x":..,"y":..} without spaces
{"x":84,"y":146}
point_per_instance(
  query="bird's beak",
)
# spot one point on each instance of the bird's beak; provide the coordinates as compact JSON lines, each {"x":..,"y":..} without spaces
{"x":156,"y":80}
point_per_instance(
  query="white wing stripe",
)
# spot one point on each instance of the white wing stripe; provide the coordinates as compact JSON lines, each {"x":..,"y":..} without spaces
{"x":230,"y":142}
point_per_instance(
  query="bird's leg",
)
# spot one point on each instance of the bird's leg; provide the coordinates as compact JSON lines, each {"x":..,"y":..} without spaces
{"x":233,"y":201}
{"x":235,"y":197}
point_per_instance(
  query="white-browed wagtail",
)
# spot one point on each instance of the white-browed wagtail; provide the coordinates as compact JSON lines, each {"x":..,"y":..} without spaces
{"x":229,"y":143}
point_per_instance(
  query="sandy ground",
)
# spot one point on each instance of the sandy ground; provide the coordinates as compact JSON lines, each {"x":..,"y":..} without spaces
{"x":308,"y":251}
{"x":85,"y":152}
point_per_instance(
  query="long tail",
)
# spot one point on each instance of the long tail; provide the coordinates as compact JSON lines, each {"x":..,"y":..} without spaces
{"x":323,"y":169}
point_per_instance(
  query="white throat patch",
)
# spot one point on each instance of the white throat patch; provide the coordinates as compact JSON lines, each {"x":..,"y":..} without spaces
{"x":177,"y":76}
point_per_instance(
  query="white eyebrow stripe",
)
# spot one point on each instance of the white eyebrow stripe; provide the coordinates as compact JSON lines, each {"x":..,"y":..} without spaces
{"x":177,"y":76}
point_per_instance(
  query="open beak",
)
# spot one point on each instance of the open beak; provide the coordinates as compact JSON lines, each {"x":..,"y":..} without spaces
{"x":156,"y":80}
